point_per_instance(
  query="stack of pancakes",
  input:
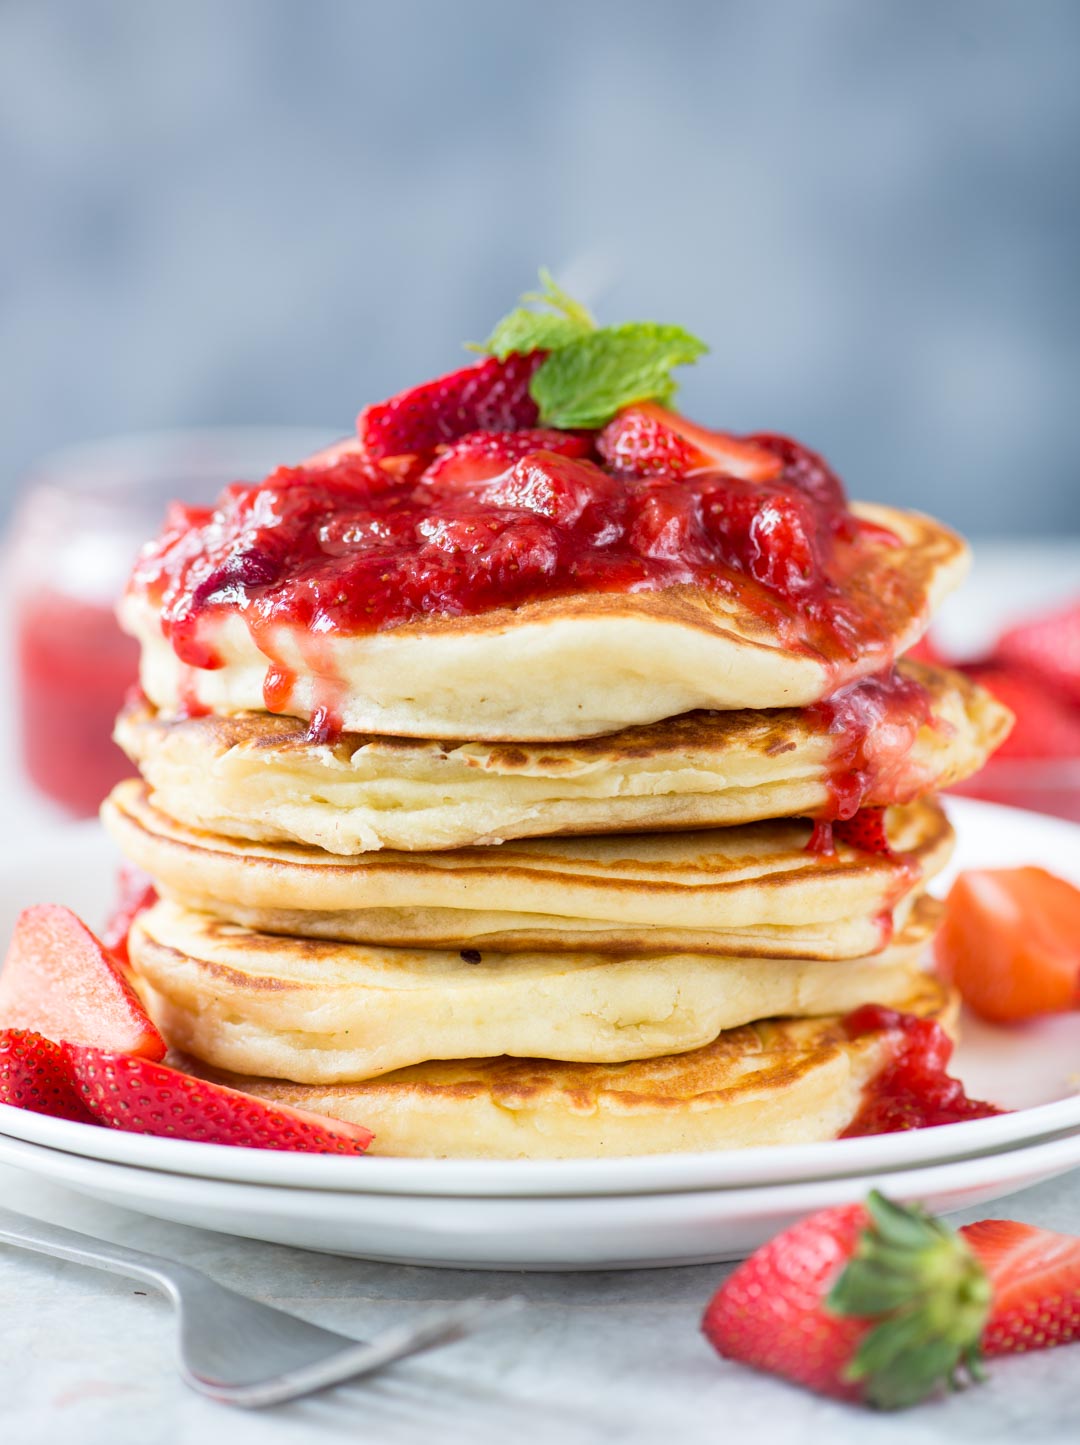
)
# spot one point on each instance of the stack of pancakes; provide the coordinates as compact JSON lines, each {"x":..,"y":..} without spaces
{"x":549,"y":892}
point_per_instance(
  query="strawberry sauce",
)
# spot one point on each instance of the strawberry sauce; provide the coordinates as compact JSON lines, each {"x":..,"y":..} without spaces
{"x":344,"y":544}
{"x":874,"y":722}
{"x":913,"y":1091}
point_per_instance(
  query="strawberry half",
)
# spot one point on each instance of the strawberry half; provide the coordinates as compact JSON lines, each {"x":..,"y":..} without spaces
{"x":135,"y":893}
{"x":1048,"y":647}
{"x":483,"y":455}
{"x":61,"y":981}
{"x":864,"y":830}
{"x":878,"y":1304}
{"x":491,"y":395}
{"x":34,"y":1075}
{"x":143,"y":1097}
{"x":649,"y":440}
{"x":1035,"y":1282}
{"x":1010,"y":942}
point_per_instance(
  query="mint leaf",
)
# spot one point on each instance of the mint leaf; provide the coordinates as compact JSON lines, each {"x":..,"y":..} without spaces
{"x":525,"y":330}
{"x":586,"y":381}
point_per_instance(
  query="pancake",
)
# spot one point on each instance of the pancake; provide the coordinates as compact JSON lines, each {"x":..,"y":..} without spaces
{"x":753,"y":890}
{"x":315,"y":1012}
{"x":256,"y":775}
{"x":562,"y":667}
{"x":785,"y":1081}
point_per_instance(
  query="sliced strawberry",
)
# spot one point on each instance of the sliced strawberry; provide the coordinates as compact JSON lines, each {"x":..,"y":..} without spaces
{"x":135,"y":894}
{"x":142,"y":1097}
{"x":491,"y":395}
{"x":1048,"y":647}
{"x":483,"y":455}
{"x":650,"y":440}
{"x":61,"y":981}
{"x":878,"y":1303}
{"x":864,"y":830}
{"x":1046,"y":726}
{"x":1010,"y":941}
{"x":1035,"y":1279}
{"x":34,"y":1075}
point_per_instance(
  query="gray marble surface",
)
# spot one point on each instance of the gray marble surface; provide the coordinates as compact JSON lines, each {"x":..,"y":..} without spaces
{"x":592,"y":1358}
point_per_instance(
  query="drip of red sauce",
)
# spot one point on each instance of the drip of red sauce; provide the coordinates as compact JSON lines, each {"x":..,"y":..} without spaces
{"x":821,"y":838}
{"x":353,"y":547}
{"x":875,"y":722}
{"x":277,"y":685}
{"x":913,"y":1090}
{"x":325,"y":725}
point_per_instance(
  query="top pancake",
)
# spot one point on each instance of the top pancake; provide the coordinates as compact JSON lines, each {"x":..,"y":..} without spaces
{"x":565,"y":667}
{"x":256,"y":776}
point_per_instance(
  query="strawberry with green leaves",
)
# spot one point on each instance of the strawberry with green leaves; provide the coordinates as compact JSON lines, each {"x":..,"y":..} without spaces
{"x":552,"y":367}
{"x":881,"y":1304}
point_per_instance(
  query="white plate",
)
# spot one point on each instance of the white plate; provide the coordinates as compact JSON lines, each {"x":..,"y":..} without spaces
{"x":632,"y":1231}
{"x":1033,"y":1070}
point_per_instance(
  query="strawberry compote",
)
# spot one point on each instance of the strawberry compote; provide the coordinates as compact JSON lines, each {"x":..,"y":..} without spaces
{"x":874,"y":722}
{"x":349,"y":544}
{"x":913,"y":1091}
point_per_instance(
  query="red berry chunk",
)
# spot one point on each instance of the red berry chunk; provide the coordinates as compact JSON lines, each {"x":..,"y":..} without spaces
{"x":491,"y":395}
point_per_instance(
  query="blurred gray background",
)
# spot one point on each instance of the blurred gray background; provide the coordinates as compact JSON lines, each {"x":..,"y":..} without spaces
{"x":271,"y":211}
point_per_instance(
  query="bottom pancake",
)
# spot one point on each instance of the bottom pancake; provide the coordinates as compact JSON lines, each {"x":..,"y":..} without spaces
{"x":318,"y":1012}
{"x":784,"y":1081}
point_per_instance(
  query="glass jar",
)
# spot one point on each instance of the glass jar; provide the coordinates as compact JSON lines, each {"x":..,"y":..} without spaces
{"x":83,"y":514}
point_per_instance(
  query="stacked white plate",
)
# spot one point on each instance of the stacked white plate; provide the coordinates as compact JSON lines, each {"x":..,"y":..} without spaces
{"x":577,"y":1214}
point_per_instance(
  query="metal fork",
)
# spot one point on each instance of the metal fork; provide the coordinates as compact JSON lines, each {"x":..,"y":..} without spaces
{"x":239,"y":1351}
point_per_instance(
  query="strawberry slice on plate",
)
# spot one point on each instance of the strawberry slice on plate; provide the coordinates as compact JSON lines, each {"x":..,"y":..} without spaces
{"x":1035,"y":1282}
{"x":144,"y":1097}
{"x":1010,"y":942}
{"x":490,"y":395}
{"x":61,"y":981}
{"x":34,"y":1075}
{"x":649,"y":440}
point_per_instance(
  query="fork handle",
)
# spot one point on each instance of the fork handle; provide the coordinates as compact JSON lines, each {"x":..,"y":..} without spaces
{"x":44,"y":1238}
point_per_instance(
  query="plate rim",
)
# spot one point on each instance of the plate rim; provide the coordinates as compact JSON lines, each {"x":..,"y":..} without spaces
{"x":1060,"y":1153}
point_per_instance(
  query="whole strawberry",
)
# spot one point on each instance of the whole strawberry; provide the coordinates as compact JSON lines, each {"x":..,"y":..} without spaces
{"x":878,"y":1304}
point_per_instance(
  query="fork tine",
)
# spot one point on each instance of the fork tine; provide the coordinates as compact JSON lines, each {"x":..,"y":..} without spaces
{"x":361,"y":1359}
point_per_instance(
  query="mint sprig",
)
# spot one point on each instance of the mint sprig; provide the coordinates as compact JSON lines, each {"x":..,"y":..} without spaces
{"x":591,"y":372}
{"x":525,"y":330}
